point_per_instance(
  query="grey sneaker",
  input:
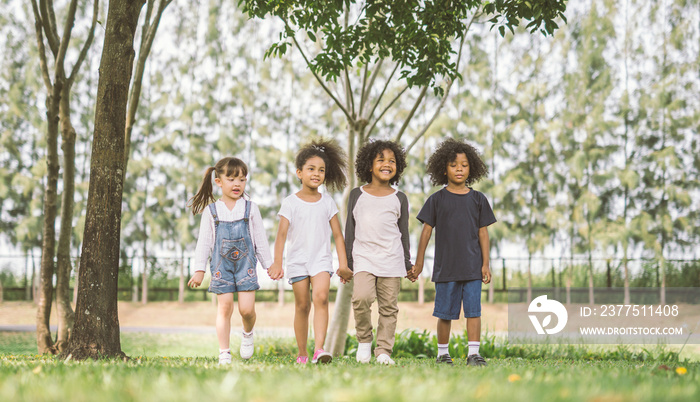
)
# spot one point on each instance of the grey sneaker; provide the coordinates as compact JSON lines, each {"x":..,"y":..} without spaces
{"x":475,"y":360}
{"x":444,"y":359}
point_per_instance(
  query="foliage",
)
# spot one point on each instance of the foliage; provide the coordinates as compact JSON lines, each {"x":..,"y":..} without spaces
{"x":417,"y":35}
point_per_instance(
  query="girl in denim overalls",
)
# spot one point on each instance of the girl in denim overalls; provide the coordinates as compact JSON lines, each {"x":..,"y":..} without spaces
{"x":232,"y":234}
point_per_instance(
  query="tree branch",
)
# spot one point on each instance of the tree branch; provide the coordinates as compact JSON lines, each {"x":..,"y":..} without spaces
{"x":65,"y":40}
{"x":349,"y":99}
{"x":449,"y":86}
{"x":413,"y":112}
{"x":375,"y":73}
{"x":369,"y":131}
{"x":49,"y":30}
{"x":325,"y":88}
{"x":43,"y":62}
{"x":86,"y":46}
{"x":381,"y":95}
{"x":362,"y":93}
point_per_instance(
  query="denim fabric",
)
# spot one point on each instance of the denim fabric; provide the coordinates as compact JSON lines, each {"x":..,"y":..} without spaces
{"x":449,"y":297}
{"x":297,"y":279}
{"x":233,"y":260}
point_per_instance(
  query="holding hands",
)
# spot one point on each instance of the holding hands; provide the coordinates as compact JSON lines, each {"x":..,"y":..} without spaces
{"x":414,"y":272}
{"x":275,"y":271}
{"x":344,"y":273}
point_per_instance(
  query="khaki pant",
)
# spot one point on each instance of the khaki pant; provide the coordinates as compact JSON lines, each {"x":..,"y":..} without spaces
{"x":366,"y":289}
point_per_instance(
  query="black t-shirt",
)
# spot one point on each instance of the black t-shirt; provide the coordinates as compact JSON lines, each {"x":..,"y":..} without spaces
{"x":457,"y":219}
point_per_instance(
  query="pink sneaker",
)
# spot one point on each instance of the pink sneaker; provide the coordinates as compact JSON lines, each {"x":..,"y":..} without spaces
{"x":302,"y":359}
{"x":321,"y":356}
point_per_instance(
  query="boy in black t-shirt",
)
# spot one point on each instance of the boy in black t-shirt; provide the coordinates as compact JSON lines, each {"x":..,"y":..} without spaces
{"x":460,"y":216}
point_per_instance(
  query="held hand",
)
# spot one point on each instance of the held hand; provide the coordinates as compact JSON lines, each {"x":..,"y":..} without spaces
{"x":414,"y":273}
{"x":196,"y":279}
{"x":345,"y":274}
{"x":485,"y":274}
{"x":275,"y":271}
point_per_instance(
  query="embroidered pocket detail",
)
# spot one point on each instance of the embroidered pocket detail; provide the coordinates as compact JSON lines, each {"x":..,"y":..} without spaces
{"x":251,"y":271}
{"x":234,"y":250}
{"x":217,"y":274}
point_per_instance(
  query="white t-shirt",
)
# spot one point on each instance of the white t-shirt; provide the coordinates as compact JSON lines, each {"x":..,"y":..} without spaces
{"x":377,"y":247}
{"x":309,"y":235}
{"x":207,"y":233}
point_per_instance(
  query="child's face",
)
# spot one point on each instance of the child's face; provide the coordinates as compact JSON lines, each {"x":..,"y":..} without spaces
{"x":458,"y":170}
{"x":313,"y":173}
{"x":384,"y":166}
{"x":232,"y":187}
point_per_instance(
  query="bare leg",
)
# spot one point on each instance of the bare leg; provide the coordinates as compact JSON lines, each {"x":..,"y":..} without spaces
{"x":223,"y":319}
{"x":443,"y":331}
{"x":473,"y":329}
{"x":246,"y":306}
{"x":320,"y":284}
{"x":302,"y":306}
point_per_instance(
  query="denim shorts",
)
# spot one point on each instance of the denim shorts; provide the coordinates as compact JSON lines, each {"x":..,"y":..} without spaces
{"x":295,"y":279}
{"x":450,"y":296}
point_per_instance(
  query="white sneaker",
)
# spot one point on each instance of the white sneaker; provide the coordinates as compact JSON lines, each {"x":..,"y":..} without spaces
{"x":364,"y":352}
{"x":225,"y":358}
{"x":247,"y":346}
{"x":385,"y":359}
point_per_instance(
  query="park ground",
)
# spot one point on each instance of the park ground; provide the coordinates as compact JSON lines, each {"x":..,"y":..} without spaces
{"x":181,"y":365}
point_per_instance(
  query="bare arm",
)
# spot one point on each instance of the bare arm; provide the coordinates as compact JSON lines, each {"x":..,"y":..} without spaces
{"x":275,"y":271}
{"x":425,"y":235}
{"x":343,"y":272}
{"x":485,"y":257}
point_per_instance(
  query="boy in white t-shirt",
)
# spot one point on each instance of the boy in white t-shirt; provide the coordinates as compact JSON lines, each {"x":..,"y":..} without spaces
{"x":307,"y":219}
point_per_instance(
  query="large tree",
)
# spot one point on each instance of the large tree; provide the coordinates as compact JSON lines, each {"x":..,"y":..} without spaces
{"x":96,"y":330}
{"x":415,"y":38}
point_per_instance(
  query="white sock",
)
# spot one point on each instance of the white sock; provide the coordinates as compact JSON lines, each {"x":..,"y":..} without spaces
{"x":248,"y":334}
{"x":224,"y":351}
{"x":443,"y":349}
{"x":473,"y":348}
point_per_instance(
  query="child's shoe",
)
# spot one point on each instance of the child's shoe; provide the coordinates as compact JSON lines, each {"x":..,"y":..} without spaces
{"x":444,"y":359}
{"x":302,"y":359}
{"x":364,"y":352}
{"x":321,"y":356}
{"x":247,"y":346}
{"x":475,"y":360}
{"x":385,"y":359}
{"x":225,"y":357}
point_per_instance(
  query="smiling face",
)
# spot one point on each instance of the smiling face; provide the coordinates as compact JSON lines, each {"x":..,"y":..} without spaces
{"x":313,"y":173}
{"x":458,"y":170}
{"x":232,"y":187}
{"x":384,"y":166}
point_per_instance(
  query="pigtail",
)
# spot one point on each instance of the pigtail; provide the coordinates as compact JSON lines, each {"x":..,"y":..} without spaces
{"x":205,"y":195}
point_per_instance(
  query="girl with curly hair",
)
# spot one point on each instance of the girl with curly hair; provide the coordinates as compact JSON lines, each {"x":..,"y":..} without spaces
{"x":309,"y":217}
{"x":460,"y":216}
{"x":377,"y":244}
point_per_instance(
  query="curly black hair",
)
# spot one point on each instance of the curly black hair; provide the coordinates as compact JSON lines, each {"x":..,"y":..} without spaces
{"x":372,"y":149}
{"x":333,"y":156}
{"x":447,"y":152}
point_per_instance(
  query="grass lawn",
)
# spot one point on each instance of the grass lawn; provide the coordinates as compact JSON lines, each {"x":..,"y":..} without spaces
{"x":157,"y":372}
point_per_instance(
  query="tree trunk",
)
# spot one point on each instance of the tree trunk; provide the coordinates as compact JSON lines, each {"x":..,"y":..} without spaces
{"x":96,"y":331}
{"x":338,"y":328}
{"x":181,"y":285}
{"x":48,"y":239}
{"x":144,"y":276}
{"x":64,"y":265}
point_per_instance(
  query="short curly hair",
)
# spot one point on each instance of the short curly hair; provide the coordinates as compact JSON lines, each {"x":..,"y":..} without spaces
{"x":373,"y":148}
{"x":447,"y":152}
{"x":333,"y":156}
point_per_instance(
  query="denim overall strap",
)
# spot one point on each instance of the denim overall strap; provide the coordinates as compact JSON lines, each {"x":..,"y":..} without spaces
{"x":233,"y":258}
{"x":212,"y":209}
{"x":246,"y":217}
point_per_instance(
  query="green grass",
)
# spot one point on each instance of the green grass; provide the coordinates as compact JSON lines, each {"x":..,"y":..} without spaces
{"x":155,"y":372}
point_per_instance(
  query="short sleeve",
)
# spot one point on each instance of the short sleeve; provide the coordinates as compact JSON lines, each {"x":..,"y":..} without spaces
{"x":286,"y":209}
{"x":427,"y":213}
{"x":486,"y":216}
{"x":331,"y":208}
